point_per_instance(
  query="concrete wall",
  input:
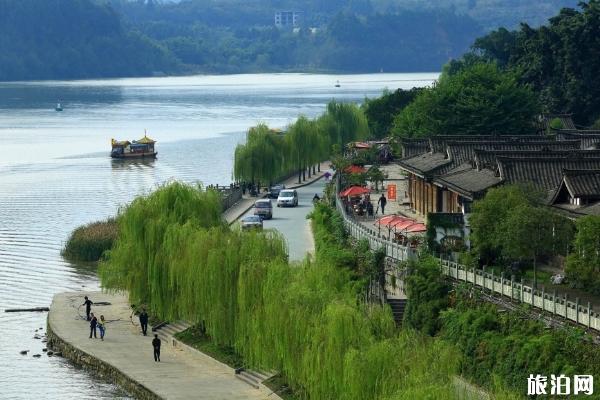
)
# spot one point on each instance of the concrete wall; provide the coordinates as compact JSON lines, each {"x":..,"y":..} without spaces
{"x":100,"y":369}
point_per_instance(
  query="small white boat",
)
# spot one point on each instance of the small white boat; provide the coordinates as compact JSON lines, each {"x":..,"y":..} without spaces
{"x":337,"y":83}
{"x":58,"y":107}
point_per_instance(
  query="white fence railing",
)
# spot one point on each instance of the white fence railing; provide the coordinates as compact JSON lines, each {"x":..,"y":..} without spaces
{"x":553,"y":303}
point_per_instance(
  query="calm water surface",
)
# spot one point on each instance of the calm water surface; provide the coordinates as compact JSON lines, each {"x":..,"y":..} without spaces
{"x":55,"y":174}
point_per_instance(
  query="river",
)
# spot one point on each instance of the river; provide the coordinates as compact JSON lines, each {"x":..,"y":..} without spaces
{"x":55,"y":174}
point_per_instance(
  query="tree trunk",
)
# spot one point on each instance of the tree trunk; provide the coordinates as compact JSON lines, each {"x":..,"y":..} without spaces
{"x":319,"y":167}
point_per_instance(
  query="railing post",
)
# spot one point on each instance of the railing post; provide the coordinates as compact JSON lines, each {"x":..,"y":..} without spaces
{"x":566,"y":306}
{"x":492,"y":292}
{"x":589,"y":312}
{"x":512,"y":286}
{"x":521,"y":291}
{"x":577,"y":309}
{"x":543,"y":298}
{"x":554,"y":302}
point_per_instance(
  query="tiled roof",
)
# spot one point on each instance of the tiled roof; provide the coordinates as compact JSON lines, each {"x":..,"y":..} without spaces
{"x":468,"y":181}
{"x":487,"y":158}
{"x":462,"y":152}
{"x":544,"y":173}
{"x":414,"y":147}
{"x":576,"y":211}
{"x":589,"y":138}
{"x":583,"y":183}
{"x":424,"y":164}
{"x":439,"y":143}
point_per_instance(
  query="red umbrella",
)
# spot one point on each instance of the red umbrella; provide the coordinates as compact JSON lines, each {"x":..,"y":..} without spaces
{"x":354,"y":191}
{"x":418,"y":227}
{"x":355,"y":169}
{"x":391,"y":220}
{"x":401,"y":225}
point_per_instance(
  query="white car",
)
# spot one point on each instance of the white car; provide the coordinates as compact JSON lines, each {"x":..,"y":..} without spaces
{"x":287,"y":197}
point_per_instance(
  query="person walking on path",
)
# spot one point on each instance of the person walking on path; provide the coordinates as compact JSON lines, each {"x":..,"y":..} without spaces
{"x":88,"y":307}
{"x":156,"y":346}
{"x":102,"y":326}
{"x":93,"y":324}
{"x":144,"y":321}
{"x":382,"y":202}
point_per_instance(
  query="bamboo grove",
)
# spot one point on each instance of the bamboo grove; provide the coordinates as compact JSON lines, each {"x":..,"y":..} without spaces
{"x":175,"y":255}
{"x":269,"y":155}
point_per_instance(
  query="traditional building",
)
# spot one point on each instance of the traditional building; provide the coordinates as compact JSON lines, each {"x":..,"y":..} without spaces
{"x":579,"y":192}
{"x":452,"y":173}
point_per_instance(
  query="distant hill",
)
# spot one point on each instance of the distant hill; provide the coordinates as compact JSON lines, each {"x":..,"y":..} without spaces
{"x":491,"y":14}
{"x":60,"y":39}
{"x":75,"y":39}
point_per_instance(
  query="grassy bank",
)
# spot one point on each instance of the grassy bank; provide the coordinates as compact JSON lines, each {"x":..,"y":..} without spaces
{"x":89,"y":242}
{"x":498,"y":348}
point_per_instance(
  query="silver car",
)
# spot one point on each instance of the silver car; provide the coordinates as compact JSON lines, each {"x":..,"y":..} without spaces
{"x":263,"y":208}
{"x":287,"y":198}
{"x":252,"y":222}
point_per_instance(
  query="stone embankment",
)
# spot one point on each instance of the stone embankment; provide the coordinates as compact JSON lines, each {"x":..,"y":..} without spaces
{"x":125,"y":357}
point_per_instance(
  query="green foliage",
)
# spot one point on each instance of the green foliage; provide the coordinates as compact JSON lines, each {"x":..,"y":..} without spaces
{"x":262,"y":158}
{"x":267,"y":156}
{"x":530,"y":232}
{"x":89,"y":242}
{"x":583,"y":264}
{"x":174,"y":254}
{"x":427,"y":293}
{"x":380,"y":111}
{"x":557,"y":59}
{"x":478,"y":99}
{"x":509,"y":346}
{"x":73,"y":39}
{"x":556,"y":123}
{"x":490,"y":213}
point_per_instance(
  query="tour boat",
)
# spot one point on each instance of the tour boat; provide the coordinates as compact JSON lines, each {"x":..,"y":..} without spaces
{"x":58,"y":107}
{"x":143,"y":148}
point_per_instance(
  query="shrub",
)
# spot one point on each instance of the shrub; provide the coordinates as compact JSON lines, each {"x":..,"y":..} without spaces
{"x":89,"y":242}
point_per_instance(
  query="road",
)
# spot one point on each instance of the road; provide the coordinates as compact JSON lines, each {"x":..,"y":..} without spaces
{"x":292,"y":222}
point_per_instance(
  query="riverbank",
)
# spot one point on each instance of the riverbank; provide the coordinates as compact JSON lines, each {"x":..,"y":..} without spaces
{"x":125,"y":356}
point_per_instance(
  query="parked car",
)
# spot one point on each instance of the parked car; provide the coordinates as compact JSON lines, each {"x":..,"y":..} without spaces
{"x":252,"y":222}
{"x":287,"y":198}
{"x":263,"y":208}
{"x":274,"y":191}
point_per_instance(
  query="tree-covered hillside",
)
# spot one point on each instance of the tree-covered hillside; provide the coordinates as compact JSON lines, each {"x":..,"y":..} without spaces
{"x":42,"y":39}
{"x":559,"y":60}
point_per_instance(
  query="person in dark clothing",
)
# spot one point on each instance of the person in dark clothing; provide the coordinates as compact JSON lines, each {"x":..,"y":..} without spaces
{"x":88,"y":307}
{"x":156,"y":346}
{"x":382,"y":202}
{"x":93,"y":324}
{"x":144,"y":321}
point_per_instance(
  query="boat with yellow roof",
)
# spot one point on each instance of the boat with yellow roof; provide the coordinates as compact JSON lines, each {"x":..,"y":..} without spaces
{"x":143,"y":148}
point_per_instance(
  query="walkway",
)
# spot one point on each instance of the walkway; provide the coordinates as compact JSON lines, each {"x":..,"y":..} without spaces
{"x":180,"y":374}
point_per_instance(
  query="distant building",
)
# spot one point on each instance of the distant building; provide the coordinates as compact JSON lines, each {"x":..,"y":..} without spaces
{"x":288,"y":19}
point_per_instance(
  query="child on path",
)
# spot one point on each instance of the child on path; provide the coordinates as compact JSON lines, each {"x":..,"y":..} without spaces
{"x":102,"y":326}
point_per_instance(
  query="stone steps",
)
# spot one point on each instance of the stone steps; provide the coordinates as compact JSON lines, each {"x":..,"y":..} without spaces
{"x":398,"y":306}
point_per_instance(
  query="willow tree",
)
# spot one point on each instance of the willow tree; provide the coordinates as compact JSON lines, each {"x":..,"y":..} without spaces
{"x":300,"y":138}
{"x":344,"y":123}
{"x":261,"y":158}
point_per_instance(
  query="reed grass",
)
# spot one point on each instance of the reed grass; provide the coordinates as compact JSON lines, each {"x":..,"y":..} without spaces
{"x":89,"y":242}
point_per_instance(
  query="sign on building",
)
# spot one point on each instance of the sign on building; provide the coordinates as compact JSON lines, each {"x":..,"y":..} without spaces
{"x":391,"y":192}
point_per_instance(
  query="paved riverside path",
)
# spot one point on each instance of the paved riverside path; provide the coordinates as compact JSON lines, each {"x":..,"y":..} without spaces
{"x":180,"y":374}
